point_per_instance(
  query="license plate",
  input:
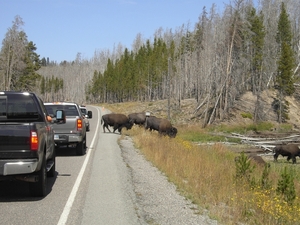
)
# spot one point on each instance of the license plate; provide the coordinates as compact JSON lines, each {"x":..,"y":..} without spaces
{"x":56,"y":137}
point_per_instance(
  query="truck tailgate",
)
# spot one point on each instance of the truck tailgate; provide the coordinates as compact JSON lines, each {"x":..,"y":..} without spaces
{"x":14,"y":136}
{"x":69,"y":127}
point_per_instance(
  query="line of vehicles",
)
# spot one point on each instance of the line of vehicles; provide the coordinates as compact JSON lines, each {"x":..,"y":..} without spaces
{"x":30,"y":133}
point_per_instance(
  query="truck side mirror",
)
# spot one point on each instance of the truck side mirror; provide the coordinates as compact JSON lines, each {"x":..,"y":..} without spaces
{"x":60,"y":116}
{"x":90,"y":114}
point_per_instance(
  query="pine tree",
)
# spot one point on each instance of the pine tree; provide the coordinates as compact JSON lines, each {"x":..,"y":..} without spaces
{"x":286,"y":63}
{"x":29,"y":77}
{"x":257,"y":43}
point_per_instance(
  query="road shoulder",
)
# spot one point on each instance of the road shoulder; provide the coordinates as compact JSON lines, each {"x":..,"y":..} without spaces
{"x":158,"y":200}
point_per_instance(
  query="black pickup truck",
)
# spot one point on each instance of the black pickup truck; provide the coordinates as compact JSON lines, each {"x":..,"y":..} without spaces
{"x":27,"y":148}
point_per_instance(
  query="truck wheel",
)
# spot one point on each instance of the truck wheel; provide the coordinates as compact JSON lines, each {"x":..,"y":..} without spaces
{"x":51,"y":172}
{"x":81,"y":147}
{"x":39,"y":189}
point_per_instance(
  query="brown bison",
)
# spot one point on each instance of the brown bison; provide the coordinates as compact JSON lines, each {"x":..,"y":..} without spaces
{"x":254,"y":158}
{"x":118,"y":121}
{"x":163,"y":126}
{"x":137,"y":118}
{"x":152,"y":123}
{"x":289,"y":150}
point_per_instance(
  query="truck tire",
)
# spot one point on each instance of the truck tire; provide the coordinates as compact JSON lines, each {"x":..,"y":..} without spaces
{"x":39,"y":189}
{"x":51,"y":172}
{"x":90,"y":114}
{"x":81,"y":147}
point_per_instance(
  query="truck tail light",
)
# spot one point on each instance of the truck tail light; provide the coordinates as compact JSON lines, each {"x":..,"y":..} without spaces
{"x":79,"y":124}
{"x":34,"y":141}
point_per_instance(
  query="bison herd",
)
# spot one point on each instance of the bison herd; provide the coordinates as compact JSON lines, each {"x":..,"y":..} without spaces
{"x":118,"y":121}
{"x":164,"y":127}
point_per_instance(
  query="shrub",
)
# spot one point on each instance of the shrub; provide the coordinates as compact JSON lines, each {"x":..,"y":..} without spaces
{"x":246,"y":115}
{"x":286,"y":187}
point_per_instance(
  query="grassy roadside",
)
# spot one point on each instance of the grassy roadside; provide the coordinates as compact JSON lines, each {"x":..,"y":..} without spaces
{"x":209,"y":176}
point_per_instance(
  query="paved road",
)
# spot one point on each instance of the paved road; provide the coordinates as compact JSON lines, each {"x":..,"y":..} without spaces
{"x":109,"y":198}
{"x":89,"y":189}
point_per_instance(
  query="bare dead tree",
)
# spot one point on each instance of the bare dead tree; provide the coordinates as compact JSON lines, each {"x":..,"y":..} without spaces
{"x":12,"y":53}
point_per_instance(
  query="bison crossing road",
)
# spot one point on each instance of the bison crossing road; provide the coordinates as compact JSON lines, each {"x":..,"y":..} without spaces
{"x":163,"y":126}
{"x":118,"y":121}
{"x":138,"y":118}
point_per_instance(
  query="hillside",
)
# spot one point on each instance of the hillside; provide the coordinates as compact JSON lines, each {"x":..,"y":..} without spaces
{"x":185,"y":114}
{"x":247,"y":104}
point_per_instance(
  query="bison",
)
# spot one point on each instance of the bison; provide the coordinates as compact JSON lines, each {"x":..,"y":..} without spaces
{"x":254,"y":158}
{"x":137,"y":118}
{"x":289,"y":150}
{"x":163,"y":126}
{"x":152,"y":123}
{"x":118,"y":121}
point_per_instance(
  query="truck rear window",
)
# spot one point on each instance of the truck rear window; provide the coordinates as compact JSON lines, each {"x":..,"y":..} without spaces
{"x":84,"y":111}
{"x":70,"y":110}
{"x":17,"y":107}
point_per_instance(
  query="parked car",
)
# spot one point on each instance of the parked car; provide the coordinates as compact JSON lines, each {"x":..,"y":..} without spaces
{"x":73,"y":131}
{"x":87,"y":115}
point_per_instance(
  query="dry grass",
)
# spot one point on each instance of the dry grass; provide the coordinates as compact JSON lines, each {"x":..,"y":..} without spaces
{"x":206,"y":174}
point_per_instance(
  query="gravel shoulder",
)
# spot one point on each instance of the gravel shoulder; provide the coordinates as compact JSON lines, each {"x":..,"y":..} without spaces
{"x":158,"y":201}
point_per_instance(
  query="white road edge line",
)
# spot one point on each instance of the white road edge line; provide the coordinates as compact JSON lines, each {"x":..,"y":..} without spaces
{"x":65,"y":214}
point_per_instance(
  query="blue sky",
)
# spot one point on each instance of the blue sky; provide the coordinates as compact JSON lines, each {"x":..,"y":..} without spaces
{"x":62,"y":28}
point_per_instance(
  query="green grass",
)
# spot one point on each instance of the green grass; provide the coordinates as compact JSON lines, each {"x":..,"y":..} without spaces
{"x":242,"y":129}
{"x":206,"y":137}
{"x":221,"y":133}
